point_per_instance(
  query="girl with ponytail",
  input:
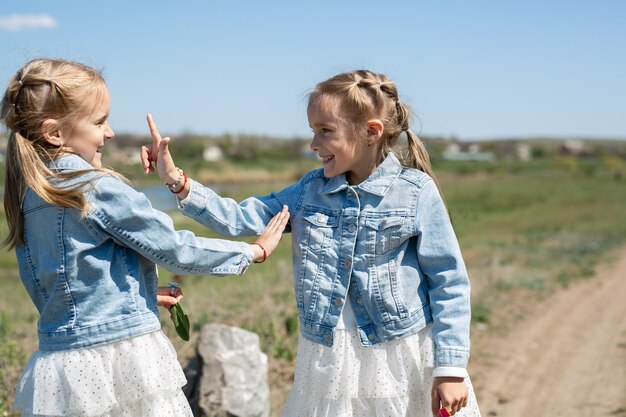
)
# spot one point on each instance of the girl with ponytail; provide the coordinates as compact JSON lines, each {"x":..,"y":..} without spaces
{"x":87,"y":245}
{"x":381,"y":287}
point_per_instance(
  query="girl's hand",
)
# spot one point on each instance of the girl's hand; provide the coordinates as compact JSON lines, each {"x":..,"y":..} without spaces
{"x":271,"y":236}
{"x":157,"y":157}
{"x":167,"y":298}
{"x":448,"y":392}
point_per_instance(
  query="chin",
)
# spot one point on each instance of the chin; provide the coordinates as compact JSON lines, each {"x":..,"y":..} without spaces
{"x":329,"y":173}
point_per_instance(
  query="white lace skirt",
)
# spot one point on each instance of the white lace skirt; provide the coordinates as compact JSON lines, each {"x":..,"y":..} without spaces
{"x":390,"y":379}
{"x":140,"y":376}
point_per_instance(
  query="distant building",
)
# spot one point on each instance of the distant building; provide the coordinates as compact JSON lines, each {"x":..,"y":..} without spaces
{"x":212,"y":154}
{"x":514,"y":149}
{"x":575,"y":147}
{"x":523,"y":151}
{"x":454,"y":152}
{"x":474,"y":148}
{"x":127,"y":156}
{"x":453,"y":148}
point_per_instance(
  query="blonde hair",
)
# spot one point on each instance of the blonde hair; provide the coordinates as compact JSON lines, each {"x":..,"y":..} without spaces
{"x":43,"y":89}
{"x":364,"y":95}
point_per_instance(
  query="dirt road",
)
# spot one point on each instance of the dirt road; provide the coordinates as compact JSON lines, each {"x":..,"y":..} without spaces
{"x":568,"y":358}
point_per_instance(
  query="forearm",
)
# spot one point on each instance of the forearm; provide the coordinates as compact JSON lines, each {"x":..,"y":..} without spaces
{"x":227,"y":217}
{"x":119,"y":212}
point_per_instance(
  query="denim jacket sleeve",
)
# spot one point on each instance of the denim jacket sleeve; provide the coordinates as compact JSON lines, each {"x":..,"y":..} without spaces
{"x":227,"y":217}
{"x":440,"y":259}
{"x":126,"y":215}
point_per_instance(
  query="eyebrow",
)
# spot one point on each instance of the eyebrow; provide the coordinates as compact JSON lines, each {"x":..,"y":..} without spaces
{"x":322,"y":124}
{"x":102,"y":118}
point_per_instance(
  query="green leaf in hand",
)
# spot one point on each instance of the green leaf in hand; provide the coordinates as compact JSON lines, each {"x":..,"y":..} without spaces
{"x":181,"y":321}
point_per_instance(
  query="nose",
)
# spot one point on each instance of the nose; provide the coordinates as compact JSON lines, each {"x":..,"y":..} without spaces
{"x":314,"y":146}
{"x":109,"y":133}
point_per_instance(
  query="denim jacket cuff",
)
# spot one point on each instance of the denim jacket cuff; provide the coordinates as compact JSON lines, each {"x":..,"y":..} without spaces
{"x":451,"y":357}
{"x":195,"y":202}
{"x":181,"y":202}
{"x":450,"y":371}
{"x":247,"y":251}
{"x":238,"y":265}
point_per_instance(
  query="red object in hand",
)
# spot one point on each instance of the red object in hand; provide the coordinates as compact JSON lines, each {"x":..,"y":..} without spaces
{"x":443,"y":412}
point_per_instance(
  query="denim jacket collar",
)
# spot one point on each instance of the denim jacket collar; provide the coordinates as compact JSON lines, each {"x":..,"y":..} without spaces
{"x":69,"y":161}
{"x":378,"y":183}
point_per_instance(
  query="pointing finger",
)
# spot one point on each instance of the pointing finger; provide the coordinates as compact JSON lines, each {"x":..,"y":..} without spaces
{"x":156,"y":136}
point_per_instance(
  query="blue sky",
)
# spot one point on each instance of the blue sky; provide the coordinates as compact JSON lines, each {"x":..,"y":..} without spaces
{"x":472,"y":69}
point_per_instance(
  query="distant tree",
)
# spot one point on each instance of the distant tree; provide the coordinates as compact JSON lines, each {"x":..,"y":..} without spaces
{"x":538,"y":152}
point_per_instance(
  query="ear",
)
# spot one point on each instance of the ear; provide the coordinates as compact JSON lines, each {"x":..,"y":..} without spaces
{"x":375,"y":129}
{"x":52,"y":132}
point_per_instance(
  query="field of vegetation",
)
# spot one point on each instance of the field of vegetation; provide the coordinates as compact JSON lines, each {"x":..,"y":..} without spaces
{"x":527,"y":229}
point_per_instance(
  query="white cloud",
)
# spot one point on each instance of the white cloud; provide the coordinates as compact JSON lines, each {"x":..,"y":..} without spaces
{"x":18,"y":22}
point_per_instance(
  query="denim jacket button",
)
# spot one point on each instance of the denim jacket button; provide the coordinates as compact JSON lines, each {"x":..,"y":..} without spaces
{"x":352,"y":228}
{"x":371,"y":336}
{"x":338,"y":302}
{"x":347,"y":263}
{"x":359,"y":301}
{"x":322,"y":218}
{"x":327,"y":338}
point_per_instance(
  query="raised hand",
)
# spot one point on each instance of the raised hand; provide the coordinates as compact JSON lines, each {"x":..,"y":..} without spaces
{"x":157,"y":157}
{"x":269,"y":239}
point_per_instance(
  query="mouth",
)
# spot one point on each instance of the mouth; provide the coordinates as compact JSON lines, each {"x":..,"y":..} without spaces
{"x":327,"y":159}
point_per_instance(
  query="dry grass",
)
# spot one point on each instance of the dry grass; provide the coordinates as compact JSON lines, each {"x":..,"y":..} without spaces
{"x":525,"y":232}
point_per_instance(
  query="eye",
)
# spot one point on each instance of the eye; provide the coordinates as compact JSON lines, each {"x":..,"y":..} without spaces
{"x":102,"y":121}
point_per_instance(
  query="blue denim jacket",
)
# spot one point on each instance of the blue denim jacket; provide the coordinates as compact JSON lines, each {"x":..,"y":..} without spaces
{"x":386,"y":243}
{"x":94,"y":280}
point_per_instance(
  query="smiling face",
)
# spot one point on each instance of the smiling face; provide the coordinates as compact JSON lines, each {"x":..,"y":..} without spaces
{"x":336,"y":141}
{"x":91,"y":130}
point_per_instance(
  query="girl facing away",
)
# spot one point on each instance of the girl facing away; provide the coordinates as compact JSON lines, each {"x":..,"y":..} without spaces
{"x":87,"y":245}
{"x":381,"y":287}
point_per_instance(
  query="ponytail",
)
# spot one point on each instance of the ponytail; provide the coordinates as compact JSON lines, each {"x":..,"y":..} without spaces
{"x":44,"y":89}
{"x":417,"y":155}
{"x":364,"y":94}
{"x":25,"y":169}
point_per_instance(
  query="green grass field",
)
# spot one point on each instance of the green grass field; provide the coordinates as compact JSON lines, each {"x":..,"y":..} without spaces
{"x":526,"y":230}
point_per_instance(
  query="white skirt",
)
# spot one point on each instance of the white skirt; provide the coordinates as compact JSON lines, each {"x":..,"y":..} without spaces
{"x":140,"y":376}
{"x":390,"y":379}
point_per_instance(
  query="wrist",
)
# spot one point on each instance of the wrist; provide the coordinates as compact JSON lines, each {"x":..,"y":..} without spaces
{"x":178,"y":186}
{"x":260,"y":254}
{"x":172,"y":176}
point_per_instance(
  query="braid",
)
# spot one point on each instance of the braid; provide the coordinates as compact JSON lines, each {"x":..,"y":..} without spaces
{"x":364,"y":95}
{"x":43,"y":89}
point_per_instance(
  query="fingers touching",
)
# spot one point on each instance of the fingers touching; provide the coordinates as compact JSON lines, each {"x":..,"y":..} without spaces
{"x":274,"y":230}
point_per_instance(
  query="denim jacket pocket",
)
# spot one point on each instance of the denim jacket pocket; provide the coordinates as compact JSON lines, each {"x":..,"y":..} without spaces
{"x":318,"y":229}
{"x":384,"y":234}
